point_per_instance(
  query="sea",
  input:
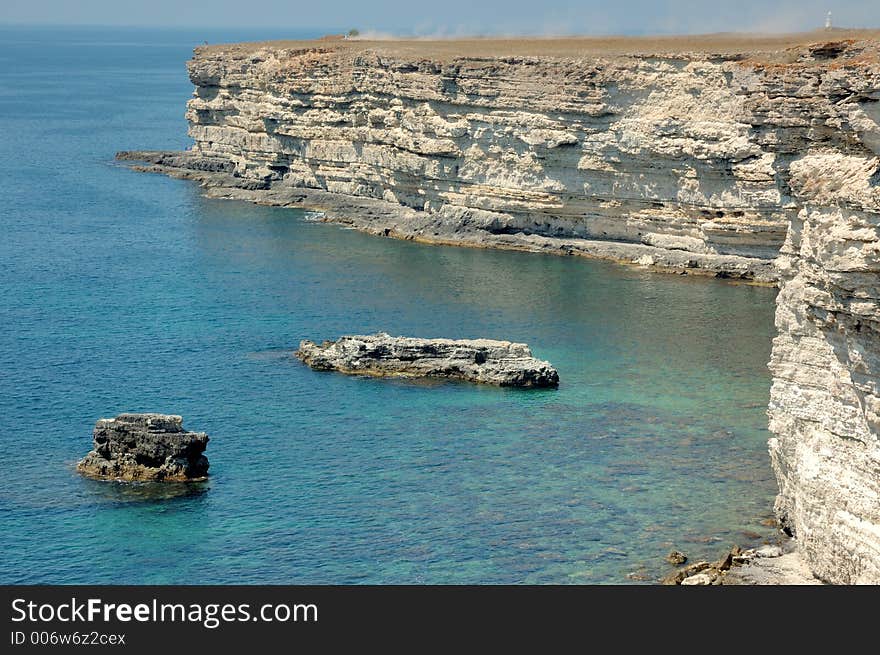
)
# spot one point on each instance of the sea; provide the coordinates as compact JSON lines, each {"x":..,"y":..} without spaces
{"x":131,"y":292}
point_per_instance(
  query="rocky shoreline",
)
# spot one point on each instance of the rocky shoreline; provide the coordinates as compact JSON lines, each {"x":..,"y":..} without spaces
{"x":767,"y":564}
{"x":473,"y":230}
{"x":483,"y":361}
{"x":785,"y":567}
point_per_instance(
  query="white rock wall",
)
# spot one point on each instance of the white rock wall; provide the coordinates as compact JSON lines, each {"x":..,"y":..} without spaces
{"x":689,"y":152}
{"x":825,"y":399}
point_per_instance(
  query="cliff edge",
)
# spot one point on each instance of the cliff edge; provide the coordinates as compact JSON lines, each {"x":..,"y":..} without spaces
{"x":626,"y":149}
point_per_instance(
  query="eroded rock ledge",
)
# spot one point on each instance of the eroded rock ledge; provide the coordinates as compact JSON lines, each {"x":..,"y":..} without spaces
{"x":145,"y":447}
{"x":680,"y":160}
{"x":484,"y":361}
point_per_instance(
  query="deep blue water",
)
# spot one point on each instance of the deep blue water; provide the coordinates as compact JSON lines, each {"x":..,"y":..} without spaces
{"x":130,"y":292}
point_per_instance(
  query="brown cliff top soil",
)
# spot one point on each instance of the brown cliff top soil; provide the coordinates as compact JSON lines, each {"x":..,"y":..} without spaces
{"x":758,"y":48}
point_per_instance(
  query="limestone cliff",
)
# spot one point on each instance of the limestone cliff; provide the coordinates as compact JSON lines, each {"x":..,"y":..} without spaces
{"x":673,"y":159}
{"x":825,"y":399}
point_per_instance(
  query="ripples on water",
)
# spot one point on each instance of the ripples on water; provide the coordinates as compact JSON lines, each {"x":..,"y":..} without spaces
{"x":131,"y":292}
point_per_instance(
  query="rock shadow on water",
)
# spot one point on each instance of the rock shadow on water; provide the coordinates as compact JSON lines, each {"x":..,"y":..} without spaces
{"x":117,"y":492}
{"x":451,"y":384}
{"x":272,"y":354}
{"x":425,"y":382}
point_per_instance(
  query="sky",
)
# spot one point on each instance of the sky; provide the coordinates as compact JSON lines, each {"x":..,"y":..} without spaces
{"x":454,"y":17}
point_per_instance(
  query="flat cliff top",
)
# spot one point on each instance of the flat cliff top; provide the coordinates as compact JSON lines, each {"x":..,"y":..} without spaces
{"x":775,"y":48}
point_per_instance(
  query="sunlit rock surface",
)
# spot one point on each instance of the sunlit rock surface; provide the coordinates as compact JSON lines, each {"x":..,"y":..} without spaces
{"x":145,"y":447}
{"x":484,"y":361}
{"x":681,"y":160}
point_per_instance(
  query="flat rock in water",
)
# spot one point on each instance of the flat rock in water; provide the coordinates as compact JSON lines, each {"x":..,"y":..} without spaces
{"x":484,"y":361}
{"x":145,"y":447}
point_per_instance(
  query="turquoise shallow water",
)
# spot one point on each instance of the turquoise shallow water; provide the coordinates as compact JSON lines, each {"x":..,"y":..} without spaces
{"x":131,"y":292}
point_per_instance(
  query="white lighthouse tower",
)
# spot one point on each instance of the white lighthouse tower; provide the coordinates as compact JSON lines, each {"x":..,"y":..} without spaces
{"x":828,"y":25}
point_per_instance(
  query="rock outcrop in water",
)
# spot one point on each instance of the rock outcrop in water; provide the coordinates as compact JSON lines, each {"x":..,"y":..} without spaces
{"x":825,"y":399}
{"x":483,"y":361}
{"x":145,"y":447}
{"x":677,"y":159}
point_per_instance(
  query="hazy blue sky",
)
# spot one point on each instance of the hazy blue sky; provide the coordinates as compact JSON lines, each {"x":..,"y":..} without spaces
{"x":452,"y":17}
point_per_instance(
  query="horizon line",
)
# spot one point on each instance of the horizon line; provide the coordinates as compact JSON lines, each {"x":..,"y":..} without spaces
{"x":390,"y":34}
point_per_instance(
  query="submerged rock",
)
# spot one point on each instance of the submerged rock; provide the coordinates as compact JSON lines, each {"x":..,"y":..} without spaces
{"x":483,"y":361}
{"x":676,"y":558}
{"x":145,"y":447}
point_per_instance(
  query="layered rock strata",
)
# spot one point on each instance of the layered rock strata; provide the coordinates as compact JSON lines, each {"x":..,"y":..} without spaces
{"x":484,"y":361}
{"x":677,"y":159}
{"x":145,"y":447}
{"x":825,"y":399}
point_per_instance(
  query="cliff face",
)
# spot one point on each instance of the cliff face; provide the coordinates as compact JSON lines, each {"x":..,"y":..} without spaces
{"x":825,"y":399}
{"x":686,"y":154}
